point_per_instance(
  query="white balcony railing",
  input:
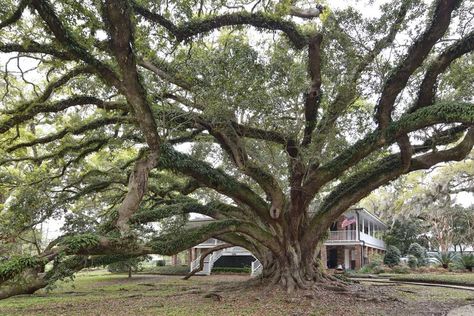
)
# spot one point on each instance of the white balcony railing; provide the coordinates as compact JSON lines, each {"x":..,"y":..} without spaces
{"x":342,"y":235}
{"x":372,"y":240}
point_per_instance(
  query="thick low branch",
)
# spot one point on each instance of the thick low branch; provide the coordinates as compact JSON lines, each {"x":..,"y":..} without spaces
{"x":93,"y":144}
{"x":213,"y":178}
{"x":203,"y":257}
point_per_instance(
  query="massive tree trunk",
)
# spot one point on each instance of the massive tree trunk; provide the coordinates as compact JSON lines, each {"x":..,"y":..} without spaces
{"x":293,"y":268}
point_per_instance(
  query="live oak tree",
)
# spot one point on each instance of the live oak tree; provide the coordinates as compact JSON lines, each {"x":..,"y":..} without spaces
{"x":290,"y":113}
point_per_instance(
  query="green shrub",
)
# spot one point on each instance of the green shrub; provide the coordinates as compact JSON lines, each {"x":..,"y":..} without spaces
{"x":392,"y":256}
{"x":412,"y":261}
{"x":445,"y":259}
{"x":160,"y":263}
{"x":419,"y":252}
{"x":400,"y":269}
{"x":375,"y":260}
{"x":167,"y":270}
{"x":365,"y":269}
{"x":467,"y":261}
{"x":378,"y":269}
{"x":245,"y":270}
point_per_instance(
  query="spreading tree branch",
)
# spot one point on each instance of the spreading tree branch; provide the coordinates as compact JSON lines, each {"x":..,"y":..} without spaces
{"x":415,"y":56}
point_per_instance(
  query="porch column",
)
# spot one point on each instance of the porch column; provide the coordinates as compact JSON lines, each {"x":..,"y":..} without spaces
{"x":190,"y":256}
{"x":358,"y":256}
{"x":174,"y":260}
{"x":347,"y":262}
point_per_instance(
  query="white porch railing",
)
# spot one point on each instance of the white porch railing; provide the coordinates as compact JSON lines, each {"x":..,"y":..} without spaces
{"x":372,"y":240}
{"x":256,"y":268}
{"x":208,"y":262}
{"x":342,"y":235}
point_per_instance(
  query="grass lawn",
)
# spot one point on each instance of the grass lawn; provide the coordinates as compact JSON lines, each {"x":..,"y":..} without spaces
{"x":454,"y":278}
{"x":100,"y":293}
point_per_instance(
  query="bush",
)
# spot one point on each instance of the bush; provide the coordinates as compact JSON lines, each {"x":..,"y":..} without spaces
{"x":400,"y":269}
{"x":167,"y":270}
{"x":379,"y":269}
{"x":245,"y":270}
{"x":445,"y":259}
{"x":160,"y":263}
{"x":467,"y":261}
{"x":412,"y":262}
{"x":419,"y":252}
{"x":365,"y":269}
{"x":375,"y":260}
{"x":392,"y":256}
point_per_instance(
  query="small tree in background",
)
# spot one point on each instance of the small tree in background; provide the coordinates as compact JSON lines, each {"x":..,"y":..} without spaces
{"x":392,"y":256}
{"x":405,"y":232}
{"x":413,"y":262}
{"x":128,"y":265}
{"x":419,"y":252}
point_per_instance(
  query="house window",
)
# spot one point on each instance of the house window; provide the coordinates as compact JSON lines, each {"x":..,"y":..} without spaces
{"x":366,"y":227}
{"x":333,"y":227}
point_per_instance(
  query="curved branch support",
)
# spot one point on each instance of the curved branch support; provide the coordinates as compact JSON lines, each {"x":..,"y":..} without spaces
{"x":203,"y":257}
{"x":137,"y":187}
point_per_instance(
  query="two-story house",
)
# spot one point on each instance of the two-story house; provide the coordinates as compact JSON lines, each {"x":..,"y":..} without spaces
{"x":351,"y":240}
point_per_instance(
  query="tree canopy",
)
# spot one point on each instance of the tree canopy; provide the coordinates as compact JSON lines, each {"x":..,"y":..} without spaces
{"x":272,"y":117}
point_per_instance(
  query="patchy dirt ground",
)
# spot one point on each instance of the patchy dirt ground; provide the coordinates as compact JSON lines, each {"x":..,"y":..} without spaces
{"x":105,"y":294}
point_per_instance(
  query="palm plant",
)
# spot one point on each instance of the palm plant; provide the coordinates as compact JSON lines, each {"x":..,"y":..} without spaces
{"x":445,"y":258}
{"x":467,"y":261}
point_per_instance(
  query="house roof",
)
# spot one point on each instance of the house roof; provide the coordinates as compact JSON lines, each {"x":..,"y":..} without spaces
{"x":373,"y":216}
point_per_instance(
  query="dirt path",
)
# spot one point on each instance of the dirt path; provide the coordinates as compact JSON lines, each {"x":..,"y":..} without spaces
{"x":385,"y":280}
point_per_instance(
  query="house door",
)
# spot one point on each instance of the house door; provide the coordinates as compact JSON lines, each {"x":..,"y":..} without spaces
{"x":332,"y":258}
